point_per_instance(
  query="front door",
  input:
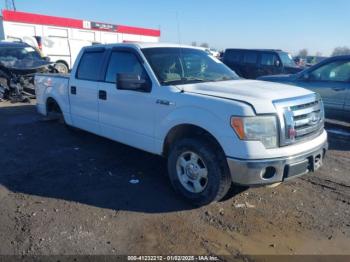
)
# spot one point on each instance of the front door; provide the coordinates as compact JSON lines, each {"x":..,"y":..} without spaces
{"x":127,"y":116}
{"x":331,"y":81}
{"x":269,"y":64}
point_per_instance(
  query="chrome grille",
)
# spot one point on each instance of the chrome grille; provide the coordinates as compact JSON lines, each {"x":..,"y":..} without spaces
{"x":300,"y":118}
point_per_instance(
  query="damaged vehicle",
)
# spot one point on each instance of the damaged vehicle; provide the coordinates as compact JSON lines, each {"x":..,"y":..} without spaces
{"x":19,"y":62}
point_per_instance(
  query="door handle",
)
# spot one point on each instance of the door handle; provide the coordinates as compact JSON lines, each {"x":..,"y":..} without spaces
{"x":338,"y":88}
{"x":73,"y":90}
{"x":102,"y":94}
{"x":164,"y":102}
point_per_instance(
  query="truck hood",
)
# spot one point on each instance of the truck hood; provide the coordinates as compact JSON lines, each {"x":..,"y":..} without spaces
{"x":258,"y":94}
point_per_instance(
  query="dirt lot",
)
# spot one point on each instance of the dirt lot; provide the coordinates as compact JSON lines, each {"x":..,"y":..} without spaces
{"x":71,"y":192}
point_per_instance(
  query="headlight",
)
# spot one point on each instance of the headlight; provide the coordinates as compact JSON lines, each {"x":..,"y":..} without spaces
{"x":261,"y":128}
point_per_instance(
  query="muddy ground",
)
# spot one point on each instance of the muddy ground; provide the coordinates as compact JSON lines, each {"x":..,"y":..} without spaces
{"x":71,"y":192}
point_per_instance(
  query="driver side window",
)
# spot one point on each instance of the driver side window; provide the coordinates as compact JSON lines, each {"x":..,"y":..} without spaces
{"x":338,"y":71}
{"x":123,"y":62}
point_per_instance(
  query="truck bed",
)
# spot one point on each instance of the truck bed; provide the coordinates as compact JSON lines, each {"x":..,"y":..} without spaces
{"x":52,"y":85}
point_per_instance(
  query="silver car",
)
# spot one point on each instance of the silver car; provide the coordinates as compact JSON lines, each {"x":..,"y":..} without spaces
{"x":330,"y":78}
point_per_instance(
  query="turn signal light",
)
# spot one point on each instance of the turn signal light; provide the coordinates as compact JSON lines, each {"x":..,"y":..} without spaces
{"x":238,"y":125}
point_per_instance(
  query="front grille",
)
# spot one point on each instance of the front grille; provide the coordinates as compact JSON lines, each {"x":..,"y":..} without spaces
{"x":300,"y":118}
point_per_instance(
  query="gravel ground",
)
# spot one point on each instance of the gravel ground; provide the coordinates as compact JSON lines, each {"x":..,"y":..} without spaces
{"x":71,"y":192}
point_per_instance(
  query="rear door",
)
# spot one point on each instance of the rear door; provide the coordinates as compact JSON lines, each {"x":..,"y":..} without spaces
{"x":250,"y":66}
{"x":331,"y":81}
{"x":83,"y":90}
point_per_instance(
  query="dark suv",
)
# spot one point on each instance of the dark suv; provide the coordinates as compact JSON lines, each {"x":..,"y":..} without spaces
{"x":253,"y":63}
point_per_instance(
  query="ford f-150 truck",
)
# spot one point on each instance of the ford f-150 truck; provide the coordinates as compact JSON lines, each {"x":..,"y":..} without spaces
{"x":214,"y":128}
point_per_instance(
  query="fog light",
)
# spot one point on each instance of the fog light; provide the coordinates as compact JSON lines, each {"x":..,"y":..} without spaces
{"x":269,"y":172}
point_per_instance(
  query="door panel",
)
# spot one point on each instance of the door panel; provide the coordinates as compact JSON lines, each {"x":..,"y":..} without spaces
{"x":332,"y":93}
{"x":347,"y":102}
{"x":128,"y":116}
{"x":84,"y":105}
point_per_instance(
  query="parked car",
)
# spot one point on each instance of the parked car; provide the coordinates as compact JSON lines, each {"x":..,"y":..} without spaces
{"x":330,"y":78}
{"x":18,"y":64}
{"x":214,"y":128}
{"x":308,"y":61}
{"x":253,"y":63}
{"x":61,"y":51}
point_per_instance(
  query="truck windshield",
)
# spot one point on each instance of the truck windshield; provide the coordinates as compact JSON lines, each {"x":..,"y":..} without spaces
{"x":287,"y":59}
{"x":179,"y":66}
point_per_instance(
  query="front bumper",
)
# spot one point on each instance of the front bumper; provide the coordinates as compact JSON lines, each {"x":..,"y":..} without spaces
{"x":270,"y":171}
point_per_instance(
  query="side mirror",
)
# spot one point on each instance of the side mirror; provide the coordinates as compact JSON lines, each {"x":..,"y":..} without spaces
{"x":126,"y":81}
{"x":277,"y":63}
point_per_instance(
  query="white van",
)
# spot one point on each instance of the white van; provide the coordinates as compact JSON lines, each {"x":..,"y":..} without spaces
{"x":62,"y":51}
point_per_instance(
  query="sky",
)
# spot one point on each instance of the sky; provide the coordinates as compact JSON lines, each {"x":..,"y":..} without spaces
{"x":318,"y":25}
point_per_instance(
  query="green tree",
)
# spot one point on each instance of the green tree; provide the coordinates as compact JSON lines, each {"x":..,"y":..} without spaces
{"x":341,"y":50}
{"x":303,"y":53}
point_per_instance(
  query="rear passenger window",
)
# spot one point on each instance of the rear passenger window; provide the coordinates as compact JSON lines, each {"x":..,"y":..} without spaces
{"x":123,"y":62}
{"x":90,"y":66}
{"x":233,"y":56}
{"x":269,"y":59}
{"x":250,"y":58}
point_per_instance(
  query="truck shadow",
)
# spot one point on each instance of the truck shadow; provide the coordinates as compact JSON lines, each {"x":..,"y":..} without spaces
{"x":44,"y":158}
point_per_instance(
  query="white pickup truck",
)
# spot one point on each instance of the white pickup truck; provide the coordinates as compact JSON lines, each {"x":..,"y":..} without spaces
{"x":214,"y":128}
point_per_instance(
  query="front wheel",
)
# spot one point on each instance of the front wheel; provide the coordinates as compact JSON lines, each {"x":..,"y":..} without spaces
{"x":198,"y":171}
{"x":62,"y":68}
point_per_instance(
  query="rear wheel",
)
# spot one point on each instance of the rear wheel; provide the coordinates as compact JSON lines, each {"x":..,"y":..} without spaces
{"x":198,"y":172}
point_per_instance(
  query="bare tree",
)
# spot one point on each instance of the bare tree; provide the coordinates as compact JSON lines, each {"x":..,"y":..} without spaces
{"x":318,"y":54}
{"x":341,"y":50}
{"x":303,"y":53}
{"x":205,"y":45}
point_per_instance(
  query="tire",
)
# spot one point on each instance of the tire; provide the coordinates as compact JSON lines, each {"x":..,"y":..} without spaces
{"x":61,"y":67}
{"x":214,"y":186}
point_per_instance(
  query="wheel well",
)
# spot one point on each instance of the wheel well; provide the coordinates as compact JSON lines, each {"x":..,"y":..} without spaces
{"x":52,"y":106}
{"x":189,"y":131}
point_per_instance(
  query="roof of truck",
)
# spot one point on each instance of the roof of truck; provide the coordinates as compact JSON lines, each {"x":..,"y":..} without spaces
{"x":12,"y":44}
{"x":255,"y":50}
{"x":142,"y":45}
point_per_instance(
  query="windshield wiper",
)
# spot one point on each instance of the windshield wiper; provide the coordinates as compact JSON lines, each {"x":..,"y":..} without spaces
{"x":184,"y":81}
{"x":224,"y":79}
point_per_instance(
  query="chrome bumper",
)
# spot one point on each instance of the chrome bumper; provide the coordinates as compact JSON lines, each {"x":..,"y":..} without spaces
{"x":269,"y":171}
